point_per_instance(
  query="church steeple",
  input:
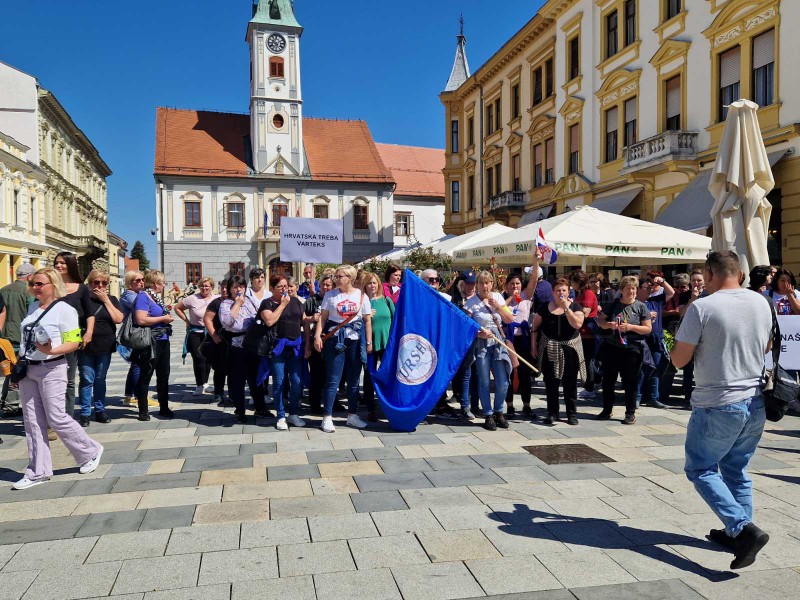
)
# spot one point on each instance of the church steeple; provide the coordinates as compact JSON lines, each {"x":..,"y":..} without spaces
{"x":274,"y":12}
{"x":460,"y":72}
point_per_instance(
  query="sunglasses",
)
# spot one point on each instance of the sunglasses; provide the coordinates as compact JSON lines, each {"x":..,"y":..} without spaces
{"x":433,"y":280}
{"x":100,"y":283}
{"x":140,"y":280}
{"x":37,"y":284}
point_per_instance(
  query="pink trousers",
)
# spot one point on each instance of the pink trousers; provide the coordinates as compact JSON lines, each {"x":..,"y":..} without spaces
{"x":42,"y":398}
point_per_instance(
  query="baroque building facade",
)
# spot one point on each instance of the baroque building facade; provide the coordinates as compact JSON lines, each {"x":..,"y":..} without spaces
{"x":620,"y":104}
{"x":225,"y":181}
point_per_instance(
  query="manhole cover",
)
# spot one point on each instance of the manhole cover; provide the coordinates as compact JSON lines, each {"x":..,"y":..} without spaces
{"x":567,"y":454}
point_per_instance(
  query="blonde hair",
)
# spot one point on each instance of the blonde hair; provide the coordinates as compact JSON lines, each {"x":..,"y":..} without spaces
{"x":351,"y":273}
{"x":59,"y":289}
{"x":485,"y":276}
{"x":367,"y":278}
{"x":628,"y":280}
{"x":130,"y":276}
{"x":154,"y":277}
{"x":98,"y":274}
{"x":208,"y":280}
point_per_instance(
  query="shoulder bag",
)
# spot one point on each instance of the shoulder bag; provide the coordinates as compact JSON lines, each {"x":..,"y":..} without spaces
{"x":132,"y":335}
{"x":20,"y":369}
{"x":259,"y":337}
{"x":781,"y":386}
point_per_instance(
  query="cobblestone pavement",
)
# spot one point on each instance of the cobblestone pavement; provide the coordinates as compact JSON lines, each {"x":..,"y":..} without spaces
{"x":201,"y":508}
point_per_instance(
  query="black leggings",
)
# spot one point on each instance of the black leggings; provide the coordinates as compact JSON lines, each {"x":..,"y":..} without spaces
{"x":569,"y":382}
{"x":147,"y":367}
{"x":625,"y":362}
{"x":218,"y":360}
{"x":202,"y":367}
{"x":369,"y":388}
{"x":243,"y":368}
{"x":522,"y":346}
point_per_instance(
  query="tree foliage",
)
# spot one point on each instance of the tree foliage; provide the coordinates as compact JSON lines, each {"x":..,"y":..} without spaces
{"x":138,"y":253}
{"x":416,"y":259}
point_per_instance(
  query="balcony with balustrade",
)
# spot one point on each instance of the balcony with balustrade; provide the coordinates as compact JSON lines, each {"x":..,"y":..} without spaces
{"x":653,"y":152}
{"x":508,"y":201}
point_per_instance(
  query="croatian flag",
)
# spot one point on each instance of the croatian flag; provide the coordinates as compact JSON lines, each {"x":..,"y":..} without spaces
{"x":546,"y":254}
{"x":427,"y":342}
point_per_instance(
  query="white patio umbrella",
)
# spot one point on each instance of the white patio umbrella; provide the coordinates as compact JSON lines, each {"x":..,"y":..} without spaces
{"x":740,"y":182}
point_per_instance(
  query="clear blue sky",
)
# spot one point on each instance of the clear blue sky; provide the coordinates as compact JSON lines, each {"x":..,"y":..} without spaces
{"x":111,"y":63}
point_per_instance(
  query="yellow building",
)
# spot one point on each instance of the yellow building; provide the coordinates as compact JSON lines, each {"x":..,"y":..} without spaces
{"x":22,"y":191}
{"x":117,"y":247}
{"x":613,"y":104}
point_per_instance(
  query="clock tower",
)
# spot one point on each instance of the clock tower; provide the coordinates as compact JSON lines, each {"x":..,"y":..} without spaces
{"x":276,"y":99}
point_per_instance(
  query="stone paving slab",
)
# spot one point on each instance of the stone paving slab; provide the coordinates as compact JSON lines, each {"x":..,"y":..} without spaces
{"x":372,"y":584}
{"x":155,"y":574}
{"x":114,"y":522}
{"x":233,"y":566}
{"x":285,"y":588}
{"x":310,"y":559}
{"x":79,"y":581}
{"x":425,"y":582}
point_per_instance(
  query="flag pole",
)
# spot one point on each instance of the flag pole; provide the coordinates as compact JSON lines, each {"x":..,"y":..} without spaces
{"x":534,"y":369}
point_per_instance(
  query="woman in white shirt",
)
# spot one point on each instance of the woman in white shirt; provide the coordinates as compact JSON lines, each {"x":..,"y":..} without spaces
{"x":344,"y":351}
{"x":491,"y":356}
{"x":783,"y":293}
{"x":49,"y":332}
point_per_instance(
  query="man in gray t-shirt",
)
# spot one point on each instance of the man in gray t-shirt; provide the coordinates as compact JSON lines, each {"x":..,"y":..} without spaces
{"x":727,"y":333}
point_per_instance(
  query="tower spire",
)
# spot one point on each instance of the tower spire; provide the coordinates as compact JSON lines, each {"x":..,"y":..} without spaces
{"x":460,"y":72}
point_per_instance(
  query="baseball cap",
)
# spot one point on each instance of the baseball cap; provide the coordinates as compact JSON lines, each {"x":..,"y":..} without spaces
{"x":528,"y":272}
{"x":468,"y":277}
{"x":25,"y":269}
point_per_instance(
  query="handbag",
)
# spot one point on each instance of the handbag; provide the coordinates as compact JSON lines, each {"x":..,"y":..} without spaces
{"x":133,"y":336}
{"x":259,"y":338}
{"x":20,"y":369}
{"x":781,"y":386}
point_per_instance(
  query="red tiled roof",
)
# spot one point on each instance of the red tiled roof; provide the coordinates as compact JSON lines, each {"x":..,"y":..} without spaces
{"x":417,"y":171}
{"x":214,"y":144}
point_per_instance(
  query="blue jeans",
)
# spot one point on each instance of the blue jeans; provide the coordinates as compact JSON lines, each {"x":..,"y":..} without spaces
{"x":336,"y":363}
{"x":719,"y":445}
{"x":649,"y":381}
{"x":498,"y":368}
{"x":286,"y":367}
{"x":131,"y":379}
{"x":93,"y":369}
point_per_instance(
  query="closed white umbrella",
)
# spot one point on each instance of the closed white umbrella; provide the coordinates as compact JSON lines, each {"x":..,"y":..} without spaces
{"x":740,"y":182}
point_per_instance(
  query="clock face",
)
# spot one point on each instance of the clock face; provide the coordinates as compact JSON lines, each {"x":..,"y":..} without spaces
{"x":276,"y":43}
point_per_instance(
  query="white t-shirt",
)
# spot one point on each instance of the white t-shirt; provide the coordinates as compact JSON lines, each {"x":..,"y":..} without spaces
{"x":340,"y":306}
{"x":60,"y":325}
{"x":779,"y":301}
{"x":485,"y":315}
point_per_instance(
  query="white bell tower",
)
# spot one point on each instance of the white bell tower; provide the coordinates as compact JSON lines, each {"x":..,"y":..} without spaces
{"x":276,"y":99}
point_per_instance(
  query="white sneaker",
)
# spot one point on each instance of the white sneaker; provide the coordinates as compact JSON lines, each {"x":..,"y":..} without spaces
{"x":356,"y":421}
{"x":198,"y":391}
{"x":25,"y":483}
{"x":281,"y":425}
{"x":327,"y":425}
{"x":208,"y":388}
{"x":295,"y":421}
{"x":92,"y":464}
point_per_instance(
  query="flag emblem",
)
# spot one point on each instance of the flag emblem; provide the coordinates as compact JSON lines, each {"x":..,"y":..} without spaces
{"x":416,"y":359}
{"x":546,"y":253}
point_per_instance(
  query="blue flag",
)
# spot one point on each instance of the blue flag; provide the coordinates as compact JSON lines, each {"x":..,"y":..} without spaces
{"x":427,"y":342}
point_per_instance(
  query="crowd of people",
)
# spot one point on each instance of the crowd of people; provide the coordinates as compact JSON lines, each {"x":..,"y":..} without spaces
{"x":314,"y":340}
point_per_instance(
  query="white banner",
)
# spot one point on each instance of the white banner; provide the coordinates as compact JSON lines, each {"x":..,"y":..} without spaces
{"x":311,"y":240}
{"x":790,"y":343}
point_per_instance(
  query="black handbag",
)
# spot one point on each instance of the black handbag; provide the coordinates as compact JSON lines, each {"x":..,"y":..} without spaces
{"x":259,"y":338}
{"x":20,"y":369}
{"x":781,"y":386}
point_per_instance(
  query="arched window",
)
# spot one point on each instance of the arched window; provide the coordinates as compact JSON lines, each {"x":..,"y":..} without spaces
{"x":276,"y":67}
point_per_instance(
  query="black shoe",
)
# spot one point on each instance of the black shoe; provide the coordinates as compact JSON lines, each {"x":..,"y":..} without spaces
{"x":500,"y":421}
{"x":263,"y":414}
{"x":747,"y":544}
{"x":490,"y":424}
{"x":145,"y":416}
{"x":240,"y":418}
{"x":572,"y":420}
{"x":510,"y":410}
{"x":84,"y":420}
{"x":166,"y":412}
{"x":629,"y":419}
{"x":721,"y":537}
{"x":603,"y":416}
{"x":102,"y":417}
{"x":548,"y":420}
{"x":527,"y":411}
{"x":466,"y":415}
{"x":446,"y":412}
